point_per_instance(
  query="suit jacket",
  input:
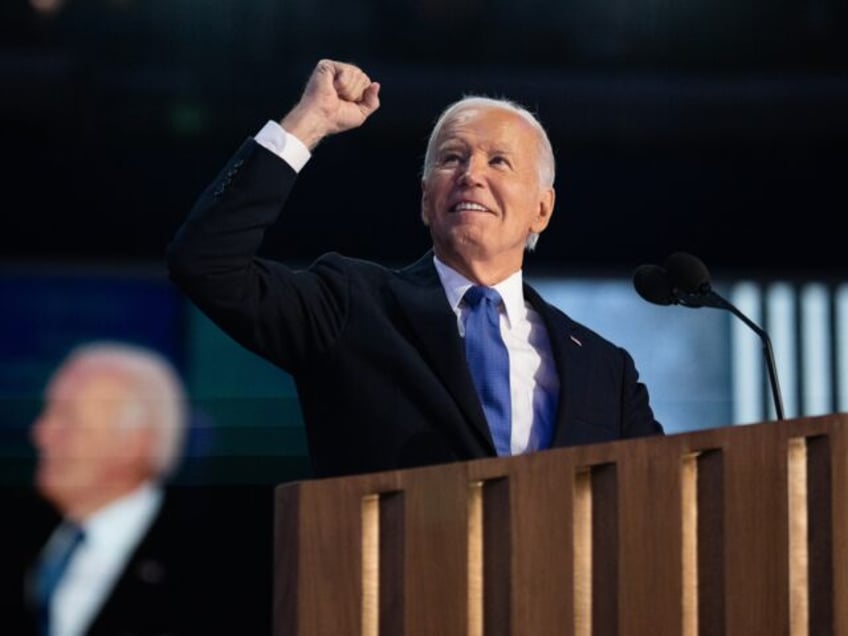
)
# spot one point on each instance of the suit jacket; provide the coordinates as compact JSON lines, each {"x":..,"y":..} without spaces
{"x":375,"y":352}
{"x":190,"y":575}
{"x":154,"y":590}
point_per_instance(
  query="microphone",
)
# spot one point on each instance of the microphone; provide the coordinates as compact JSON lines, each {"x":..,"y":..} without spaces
{"x":651,"y":281}
{"x":685,"y":280}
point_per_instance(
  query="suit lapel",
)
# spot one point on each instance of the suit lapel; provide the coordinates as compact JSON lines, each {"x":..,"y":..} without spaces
{"x":422,"y":300}
{"x":570,"y":360}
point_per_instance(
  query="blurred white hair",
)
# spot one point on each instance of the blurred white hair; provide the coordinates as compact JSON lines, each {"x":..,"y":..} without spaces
{"x":158,"y":396}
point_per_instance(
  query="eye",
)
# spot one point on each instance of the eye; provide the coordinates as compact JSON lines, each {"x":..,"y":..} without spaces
{"x":450,"y":159}
{"x":499,"y":160}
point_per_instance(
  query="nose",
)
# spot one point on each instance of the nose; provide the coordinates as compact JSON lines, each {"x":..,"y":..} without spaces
{"x":471,"y":173}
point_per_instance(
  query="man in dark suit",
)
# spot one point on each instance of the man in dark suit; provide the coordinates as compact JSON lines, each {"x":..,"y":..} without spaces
{"x":144,"y":559}
{"x":380,"y":356}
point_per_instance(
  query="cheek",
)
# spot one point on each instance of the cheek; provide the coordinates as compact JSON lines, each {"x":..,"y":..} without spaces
{"x":436,"y":189}
{"x":526,"y":202}
{"x":104,"y":446}
{"x":430,"y":209}
{"x":64,"y":469}
{"x":38,"y":434}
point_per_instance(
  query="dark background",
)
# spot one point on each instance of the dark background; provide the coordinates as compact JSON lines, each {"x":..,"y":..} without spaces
{"x":715,"y":127}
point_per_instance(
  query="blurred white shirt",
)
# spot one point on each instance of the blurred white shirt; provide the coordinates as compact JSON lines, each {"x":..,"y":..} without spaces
{"x":111,"y":536}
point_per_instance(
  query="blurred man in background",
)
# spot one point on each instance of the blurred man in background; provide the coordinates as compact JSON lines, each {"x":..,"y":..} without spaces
{"x":125,"y":558}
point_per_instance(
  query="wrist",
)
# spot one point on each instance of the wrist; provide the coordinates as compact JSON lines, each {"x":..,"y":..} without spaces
{"x":308,"y":127}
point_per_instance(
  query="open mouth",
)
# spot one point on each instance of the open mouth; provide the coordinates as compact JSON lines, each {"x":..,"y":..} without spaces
{"x":469,"y":206}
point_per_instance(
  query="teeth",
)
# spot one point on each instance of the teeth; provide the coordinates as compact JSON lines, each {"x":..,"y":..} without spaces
{"x":467,"y":205}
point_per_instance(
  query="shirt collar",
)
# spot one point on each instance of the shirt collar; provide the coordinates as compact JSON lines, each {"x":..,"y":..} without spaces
{"x":111,"y":525}
{"x":455,"y":284}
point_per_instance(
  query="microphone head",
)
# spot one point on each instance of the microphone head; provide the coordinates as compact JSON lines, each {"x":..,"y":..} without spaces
{"x":652,"y":284}
{"x":687,"y":273}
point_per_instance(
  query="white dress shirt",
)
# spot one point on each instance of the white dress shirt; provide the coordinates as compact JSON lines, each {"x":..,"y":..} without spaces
{"x":533,"y":379}
{"x":111,"y":535}
{"x":286,"y":146}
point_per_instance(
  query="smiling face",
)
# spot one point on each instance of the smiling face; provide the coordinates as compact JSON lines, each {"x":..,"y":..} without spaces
{"x":482,"y":194}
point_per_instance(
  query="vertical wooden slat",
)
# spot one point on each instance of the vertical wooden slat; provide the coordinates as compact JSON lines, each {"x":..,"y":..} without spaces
{"x":799,"y":583}
{"x":287,"y":547}
{"x":497,"y":558}
{"x":582,"y":522}
{"x":328,"y":542}
{"x":475,"y":558}
{"x":336,"y":577}
{"x":542,"y":545}
{"x":605,"y":549}
{"x":820,"y":534}
{"x":712,"y":544}
{"x":838,"y":436}
{"x":392,"y":563}
{"x":649,"y":539}
{"x":689,"y":541}
{"x":757,"y":574}
{"x":370,"y":565}
{"x":437,"y":551}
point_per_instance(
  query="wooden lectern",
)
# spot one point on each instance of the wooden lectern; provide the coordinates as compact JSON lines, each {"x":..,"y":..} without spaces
{"x":740,"y":530}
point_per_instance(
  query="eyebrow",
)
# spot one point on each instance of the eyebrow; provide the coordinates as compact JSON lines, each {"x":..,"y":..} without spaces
{"x":452,"y":144}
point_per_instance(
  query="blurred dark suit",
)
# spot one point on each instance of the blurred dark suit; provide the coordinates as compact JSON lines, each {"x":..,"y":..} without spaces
{"x":203,"y":567}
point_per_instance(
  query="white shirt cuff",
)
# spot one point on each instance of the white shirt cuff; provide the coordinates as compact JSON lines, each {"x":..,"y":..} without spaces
{"x":283,"y":144}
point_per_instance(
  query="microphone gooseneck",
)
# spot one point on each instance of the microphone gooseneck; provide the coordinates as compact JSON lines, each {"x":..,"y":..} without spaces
{"x":685,"y":280}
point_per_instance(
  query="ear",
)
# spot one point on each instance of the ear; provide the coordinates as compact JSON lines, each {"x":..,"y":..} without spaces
{"x":139,"y":442}
{"x":544,"y":212}
{"x":425,"y":200}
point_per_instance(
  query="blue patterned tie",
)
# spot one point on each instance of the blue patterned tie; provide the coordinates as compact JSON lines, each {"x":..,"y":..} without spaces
{"x":52,"y":568}
{"x":488,"y":361}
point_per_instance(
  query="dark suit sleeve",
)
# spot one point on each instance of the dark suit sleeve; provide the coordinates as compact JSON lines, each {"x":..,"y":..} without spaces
{"x":282,"y":315}
{"x":637,"y":414}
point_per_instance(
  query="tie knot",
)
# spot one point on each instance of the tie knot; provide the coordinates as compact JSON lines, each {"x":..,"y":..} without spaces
{"x":477,"y":293}
{"x":76,"y":534}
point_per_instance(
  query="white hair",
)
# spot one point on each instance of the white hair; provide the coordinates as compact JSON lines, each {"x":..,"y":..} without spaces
{"x":547,"y":162}
{"x":159,"y":400}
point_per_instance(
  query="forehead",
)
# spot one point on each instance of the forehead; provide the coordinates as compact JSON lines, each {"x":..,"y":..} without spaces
{"x":488,"y":125}
{"x":83,"y":380}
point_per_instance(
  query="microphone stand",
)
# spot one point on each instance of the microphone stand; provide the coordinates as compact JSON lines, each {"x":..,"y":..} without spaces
{"x":709,"y":298}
